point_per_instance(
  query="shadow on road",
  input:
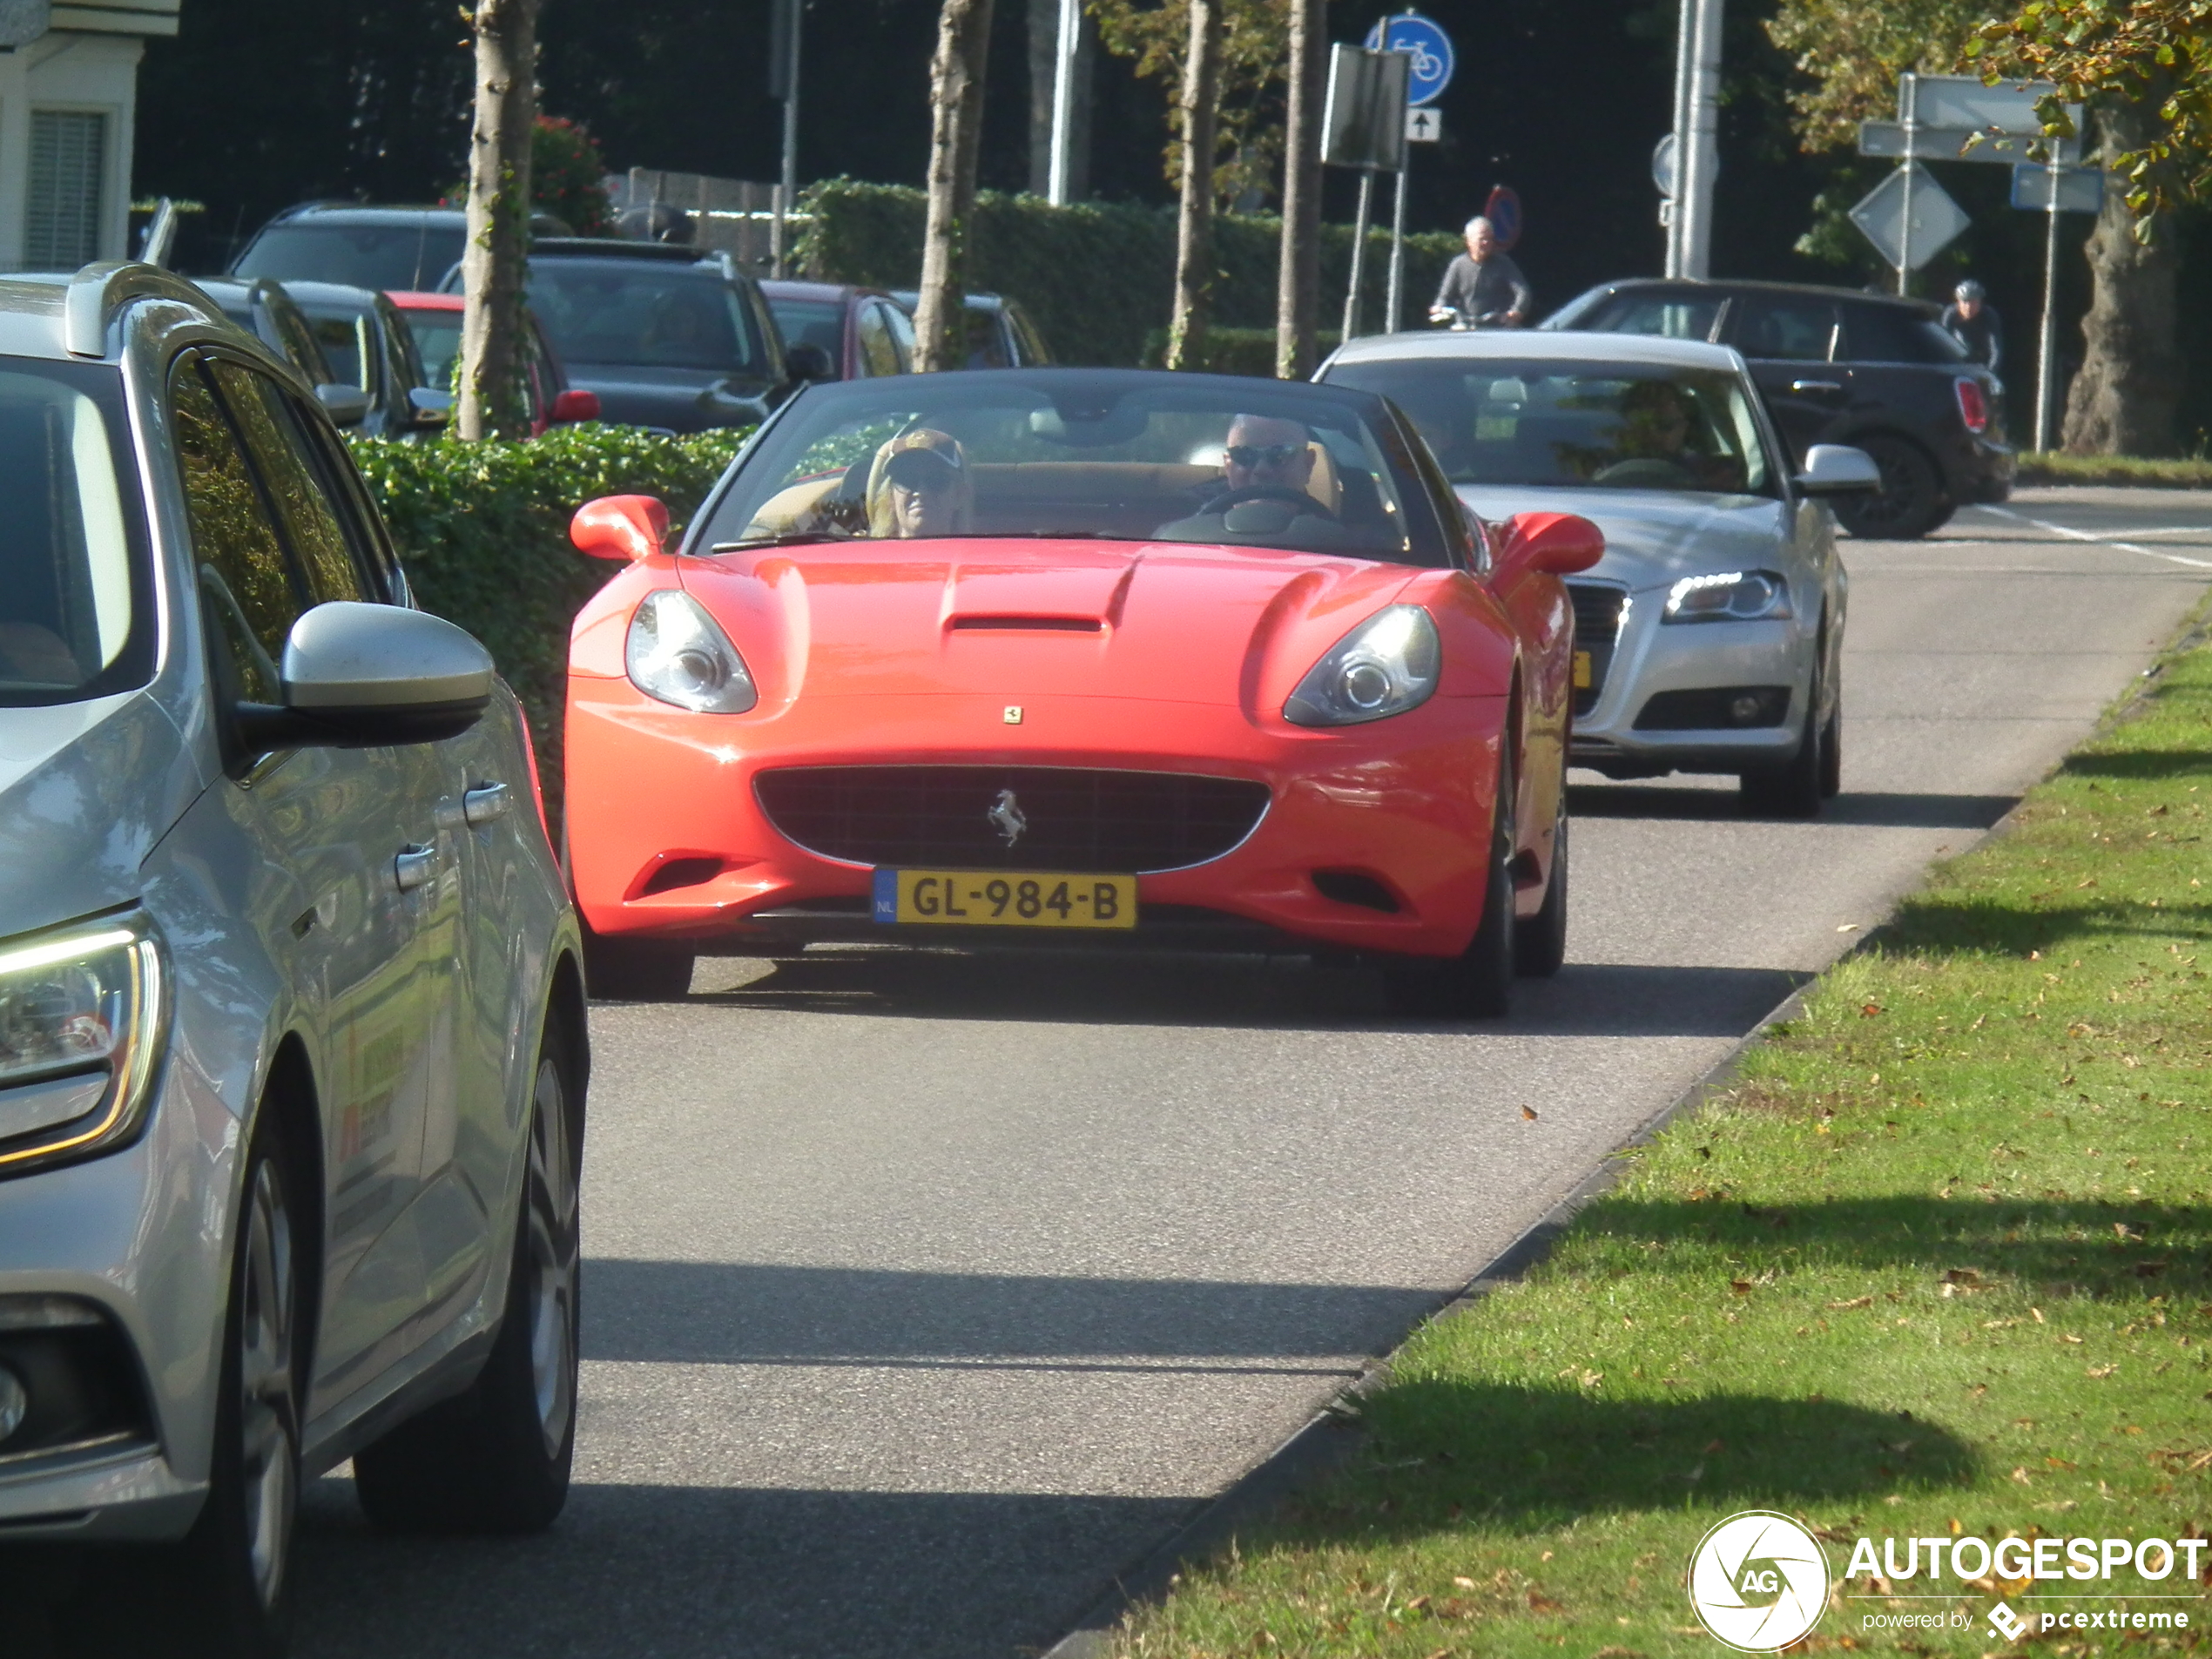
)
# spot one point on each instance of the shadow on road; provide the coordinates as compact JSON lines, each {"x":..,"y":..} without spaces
{"x":1865,"y":809}
{"x":1261,"y":993}
{"x":747,"y":1313}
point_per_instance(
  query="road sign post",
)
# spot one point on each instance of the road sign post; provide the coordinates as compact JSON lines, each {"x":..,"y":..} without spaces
{"x":1362,"y":125}
{"x":1430,"y":60}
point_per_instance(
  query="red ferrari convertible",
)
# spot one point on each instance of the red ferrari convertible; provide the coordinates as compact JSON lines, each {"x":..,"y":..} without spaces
{"x":1078,"y":655}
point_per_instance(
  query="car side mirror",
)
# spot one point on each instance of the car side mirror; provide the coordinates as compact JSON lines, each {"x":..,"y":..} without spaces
{"x":360,"y":676}
{"x":620,"y":527}
{"x":1838,"y":469}
{"x":574,"y":404}
{"x":346,"y":405}
{"x":808,"y":361}
{"x":430,"y":410}
{"x":1553,"y":544}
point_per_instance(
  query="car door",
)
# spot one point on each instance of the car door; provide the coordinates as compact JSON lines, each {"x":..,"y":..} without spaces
{"x":1790,"y":340}
{"x":342,"y":863}
{"x":878,"y":350}
{"x":479,"y":936}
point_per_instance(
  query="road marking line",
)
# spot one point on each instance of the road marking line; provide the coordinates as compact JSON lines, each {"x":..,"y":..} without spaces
{"x":2071,"y":534}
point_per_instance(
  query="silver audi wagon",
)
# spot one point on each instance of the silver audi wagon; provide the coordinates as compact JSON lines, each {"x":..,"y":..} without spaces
{"x":293,"y":1052}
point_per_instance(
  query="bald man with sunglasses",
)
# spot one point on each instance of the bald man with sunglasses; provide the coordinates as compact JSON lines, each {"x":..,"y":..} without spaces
{"x":1262,"y":499}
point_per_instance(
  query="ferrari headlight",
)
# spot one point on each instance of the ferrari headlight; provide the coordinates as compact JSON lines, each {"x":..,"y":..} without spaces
{"x":677,"y":653}
{"x":1731,"y":596}
{"x":82,"y":1012}
{"x":1385,"y":665}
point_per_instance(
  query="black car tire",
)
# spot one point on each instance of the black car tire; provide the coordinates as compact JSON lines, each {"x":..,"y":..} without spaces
{"x":1478,"y":983}
{"x":1831,"y":749}
{"x":233,"y":1567}
{"x":1796,"y":788}
{"x":1910,"y":502}
{"x":497,"y":1458}
{"x":1540,"y":941}
{"x":635,"y":970}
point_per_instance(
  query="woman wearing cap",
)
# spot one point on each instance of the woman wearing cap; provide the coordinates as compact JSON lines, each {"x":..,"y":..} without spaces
{"x":921,"y":485}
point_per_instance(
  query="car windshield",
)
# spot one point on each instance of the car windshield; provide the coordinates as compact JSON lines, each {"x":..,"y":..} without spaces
{"x":437,"y":342}
{"x":812,"y":322}
{"x":650,"y":316}
{"x":363,"y":256}
{"x":1620,"y":425}
{"x":74,"y":601}
{"x":348,"y":344}
{"x":1109,"y":454}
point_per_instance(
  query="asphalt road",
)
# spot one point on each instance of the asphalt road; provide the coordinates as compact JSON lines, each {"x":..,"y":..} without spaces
{"x":925,"y":1292}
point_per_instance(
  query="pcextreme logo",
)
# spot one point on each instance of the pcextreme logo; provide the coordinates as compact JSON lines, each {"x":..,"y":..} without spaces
{"x":1758,"y":1580}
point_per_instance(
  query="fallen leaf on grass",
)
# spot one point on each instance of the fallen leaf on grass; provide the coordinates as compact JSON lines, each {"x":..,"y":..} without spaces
{"x":2068,"y":1336}
{"x":1464,"y":1583}
{"x":1740,"y":1287}
{"x":2102,"y":1370}
{"x":2020,"y":1476}
{"x":1539,"y":1603}
{"x":1856,"y":1302}
{"x":1867,"y":1011}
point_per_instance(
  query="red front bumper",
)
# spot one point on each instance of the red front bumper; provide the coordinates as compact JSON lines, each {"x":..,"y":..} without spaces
{"x":1406,"y":801}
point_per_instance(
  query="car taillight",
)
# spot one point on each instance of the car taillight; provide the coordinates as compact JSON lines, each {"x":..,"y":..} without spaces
{"x":1973,"y":407}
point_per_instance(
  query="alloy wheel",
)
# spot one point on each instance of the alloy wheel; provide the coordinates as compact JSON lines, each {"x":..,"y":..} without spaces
{"x":552,"y":1248}
{"x":268,"y":1385}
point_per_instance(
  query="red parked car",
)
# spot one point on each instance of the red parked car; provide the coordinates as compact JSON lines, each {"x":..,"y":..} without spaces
{"x":435,"y":319}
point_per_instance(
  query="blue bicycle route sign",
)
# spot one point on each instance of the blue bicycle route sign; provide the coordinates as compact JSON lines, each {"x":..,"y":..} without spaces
{"x":1430,"y":47}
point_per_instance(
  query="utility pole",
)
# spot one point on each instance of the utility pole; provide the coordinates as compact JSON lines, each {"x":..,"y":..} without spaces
{"x":1066,"y":54}
{"x":1697,"y":86}
{"x":2046,"y":378}
{"x":1908,"y":98}
{"x":782,"y":83}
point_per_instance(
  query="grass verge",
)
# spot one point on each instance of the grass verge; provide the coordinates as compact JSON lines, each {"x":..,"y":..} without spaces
{"x":2055,"y":467}
{"x":1934,"y":1263}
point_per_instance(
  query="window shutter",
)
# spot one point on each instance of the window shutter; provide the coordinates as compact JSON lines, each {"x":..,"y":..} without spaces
{"x":67,"y":167}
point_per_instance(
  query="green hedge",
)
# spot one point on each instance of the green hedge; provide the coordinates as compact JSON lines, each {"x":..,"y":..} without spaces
{"x":484,"y":531}
{"x":1099,"y":277}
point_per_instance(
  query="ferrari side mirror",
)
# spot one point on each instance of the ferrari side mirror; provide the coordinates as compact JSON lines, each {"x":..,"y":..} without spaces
{"x":620,"y":527}
{"x":1556,"y":543}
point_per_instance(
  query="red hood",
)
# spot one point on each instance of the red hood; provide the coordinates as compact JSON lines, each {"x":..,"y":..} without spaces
{"x":1167,"y":621}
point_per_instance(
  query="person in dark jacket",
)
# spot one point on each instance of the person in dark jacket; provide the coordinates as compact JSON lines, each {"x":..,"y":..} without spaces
{"x":1975,"y":321}
{"x":1483,"y":285}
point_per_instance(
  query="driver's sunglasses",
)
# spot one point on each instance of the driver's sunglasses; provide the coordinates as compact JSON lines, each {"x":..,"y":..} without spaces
{"x":1252,"y":456}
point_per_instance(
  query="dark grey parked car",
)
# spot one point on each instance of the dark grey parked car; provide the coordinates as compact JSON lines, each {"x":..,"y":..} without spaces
{"x":367,"y":343}
{"x":365,"y":247}
{"x":667,"y":336}
{"x":1835,"y":366}
{"x":266,"y":309}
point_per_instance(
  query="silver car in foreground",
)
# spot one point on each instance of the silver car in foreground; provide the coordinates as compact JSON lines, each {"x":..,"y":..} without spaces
{"x":291,"y":1029}
{"x":1710,"y":636}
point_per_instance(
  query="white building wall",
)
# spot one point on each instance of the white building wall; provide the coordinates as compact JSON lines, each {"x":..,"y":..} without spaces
{"x":88,"y":70}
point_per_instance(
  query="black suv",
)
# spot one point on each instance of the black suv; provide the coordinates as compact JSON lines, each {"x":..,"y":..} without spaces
{"x":668,"y":336}
{"x":403,"y":248}
{"x":1840,"y":366}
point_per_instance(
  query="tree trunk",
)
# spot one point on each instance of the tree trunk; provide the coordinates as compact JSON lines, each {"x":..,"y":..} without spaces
{"x":1297,"y":295}
{"x":955,"y":131}
{"x":499,"y":212}
{"x":2122,"y":401}
{"x":1194,"y":259}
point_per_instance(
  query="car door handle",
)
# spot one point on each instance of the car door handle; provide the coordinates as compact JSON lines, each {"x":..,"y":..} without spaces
{"x":413,"y":866}
{"x":1815,"y":386}
{"x":486,"y":804}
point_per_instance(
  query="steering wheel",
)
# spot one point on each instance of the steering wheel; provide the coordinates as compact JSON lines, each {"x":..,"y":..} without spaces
{"x":1305,"y":502}
{"x":1650,"y":471}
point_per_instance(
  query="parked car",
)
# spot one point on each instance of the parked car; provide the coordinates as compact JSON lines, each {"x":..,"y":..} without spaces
{"x":366,"y":247}
{"x":1068,"y":656}
{"x":292,"y":1051}
{"x":366,"y":343}
{"x":667,"y":336}
{"x":860,"y":332}
{"x":1710,"y":636}
{"x":434,"y":322}
{"x":1876,"y":373}
{"x":1000,"y":334}
{"x":266,"y":309}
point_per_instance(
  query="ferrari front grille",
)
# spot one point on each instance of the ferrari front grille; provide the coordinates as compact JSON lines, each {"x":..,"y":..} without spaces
{"x":1598,"y":610}
{"x":1011,"y":818}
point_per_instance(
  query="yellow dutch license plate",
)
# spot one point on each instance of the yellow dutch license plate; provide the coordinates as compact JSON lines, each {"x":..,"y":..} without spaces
{"x":1581,"y":671}
{"x":998,"y":899}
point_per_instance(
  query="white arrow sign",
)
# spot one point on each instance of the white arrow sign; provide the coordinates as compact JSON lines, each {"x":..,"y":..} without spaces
{"x":1423,"y":126}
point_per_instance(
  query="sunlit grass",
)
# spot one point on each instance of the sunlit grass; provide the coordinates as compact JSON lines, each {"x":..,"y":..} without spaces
{"x":1937,"y":1260}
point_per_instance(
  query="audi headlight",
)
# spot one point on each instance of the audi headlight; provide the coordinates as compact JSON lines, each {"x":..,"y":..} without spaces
{"x":1385,"y":665}
{"x":82,"y":1013}
{"x":1731,"y":596}
{"x":677,"y":652}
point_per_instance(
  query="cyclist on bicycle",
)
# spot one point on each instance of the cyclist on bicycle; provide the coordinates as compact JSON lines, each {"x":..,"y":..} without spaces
{"x":1483,"y":288}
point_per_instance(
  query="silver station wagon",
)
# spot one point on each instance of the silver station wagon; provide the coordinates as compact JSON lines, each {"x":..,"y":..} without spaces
{"x":293,"y":1052}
